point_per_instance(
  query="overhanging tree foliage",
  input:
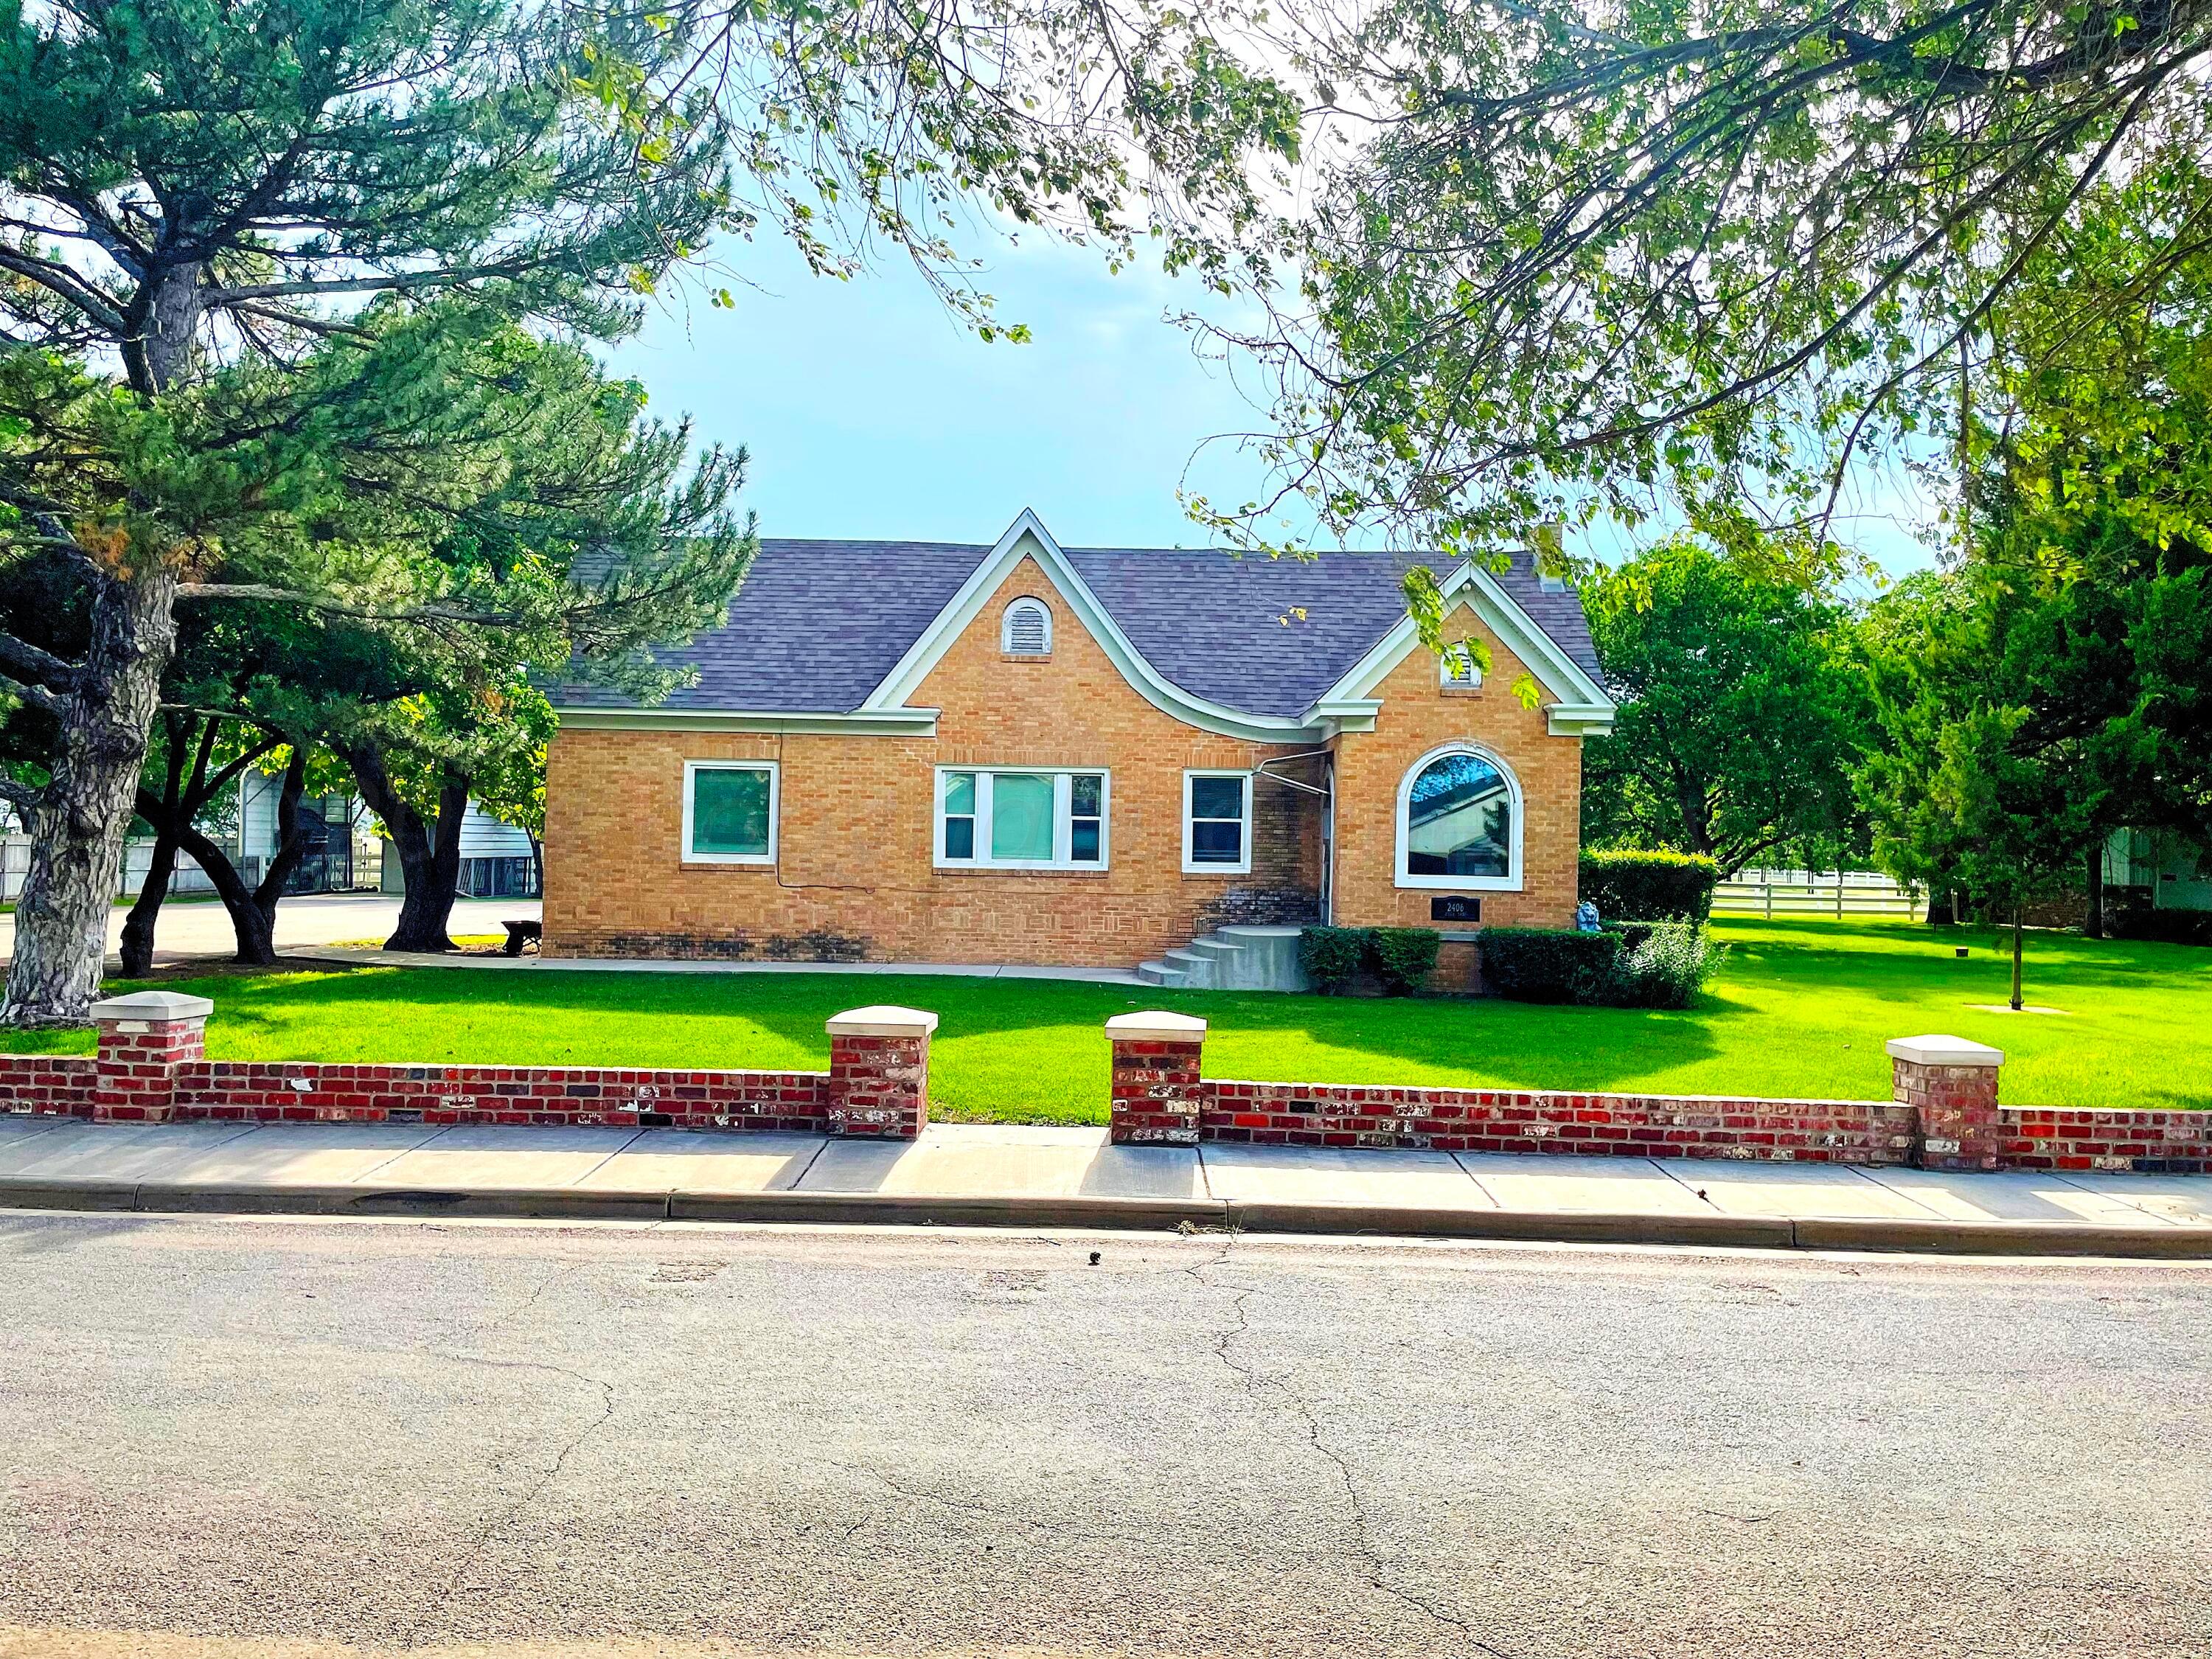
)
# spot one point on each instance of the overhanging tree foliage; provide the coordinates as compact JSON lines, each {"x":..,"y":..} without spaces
{"x":199,"y":195}
{"x":1691,"y":257}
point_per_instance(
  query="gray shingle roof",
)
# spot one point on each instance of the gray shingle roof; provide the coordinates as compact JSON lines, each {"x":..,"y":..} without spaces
{"x":817,"y":624}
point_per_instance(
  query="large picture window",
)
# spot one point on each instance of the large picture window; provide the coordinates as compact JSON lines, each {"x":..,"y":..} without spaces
{"x":1217,"y":823}
{"x":729,"y":811}
{"x":1015,"y":818}
{"x":1459,"y":822}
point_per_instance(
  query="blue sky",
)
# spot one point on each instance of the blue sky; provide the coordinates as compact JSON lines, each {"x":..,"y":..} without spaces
{"x":870,"y":412}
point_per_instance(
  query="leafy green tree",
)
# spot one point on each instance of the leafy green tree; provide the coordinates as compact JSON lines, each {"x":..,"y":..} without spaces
{"x":1690,"y":259}
{"x":1743,"y":709}
{"x":1987,"y":776}
{"x":203,"y":196}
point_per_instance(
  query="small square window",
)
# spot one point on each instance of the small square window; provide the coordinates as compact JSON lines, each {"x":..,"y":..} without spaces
{"x":729,"y":812}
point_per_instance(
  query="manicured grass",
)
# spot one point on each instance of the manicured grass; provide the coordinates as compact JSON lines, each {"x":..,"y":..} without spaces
{"x":1800,"y":1008}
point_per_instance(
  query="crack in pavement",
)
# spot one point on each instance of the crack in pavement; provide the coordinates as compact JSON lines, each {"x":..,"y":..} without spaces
{"x":1363,"y":1546}
{"x":482,"y":1542}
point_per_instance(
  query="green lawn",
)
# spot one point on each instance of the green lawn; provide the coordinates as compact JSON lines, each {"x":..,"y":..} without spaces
{"x":1801,"y":1007}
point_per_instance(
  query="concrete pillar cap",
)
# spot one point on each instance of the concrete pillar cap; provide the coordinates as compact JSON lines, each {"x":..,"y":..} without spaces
{"x":1155,"y":1025}
{"x":882,"y":1019}
{"x":1943,"y":1051}
{"x":168,"y":1005}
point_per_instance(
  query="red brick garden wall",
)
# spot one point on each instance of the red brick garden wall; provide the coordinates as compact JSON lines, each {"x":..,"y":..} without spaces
{"x":281,"y":1092}
{"x":1496,"y":1121}
{"x":47,"y":1084}
{"x":2059,"y":1138}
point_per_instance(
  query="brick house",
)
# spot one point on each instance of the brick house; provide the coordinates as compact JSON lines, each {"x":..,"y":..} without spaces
{"x":1076,"y":756}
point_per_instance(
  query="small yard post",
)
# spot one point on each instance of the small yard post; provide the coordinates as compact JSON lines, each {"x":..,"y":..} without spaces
{"x":143,"y":1038}
{"x":1950,"y":1085}
{"x":1156,"y":1093}
{"x":879,"y":1072}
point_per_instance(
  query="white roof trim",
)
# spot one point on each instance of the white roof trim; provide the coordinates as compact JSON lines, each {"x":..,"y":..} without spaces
{"x":1474,"y":587}
{"x":1028,"y":535}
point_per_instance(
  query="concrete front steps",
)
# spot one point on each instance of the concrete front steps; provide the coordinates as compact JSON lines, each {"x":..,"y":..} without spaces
{"x":1230,"y":959}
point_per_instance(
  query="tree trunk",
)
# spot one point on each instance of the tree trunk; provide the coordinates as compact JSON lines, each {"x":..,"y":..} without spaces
{"x":81,"y":816}
{"x":429,"y":852}
{"x":1942,"y":904}
{"x":2015,"y":958}
{"x":537,"y":864}
{"x":2092,"y":922}
{"x":137,"y":948}
{"x":291,"y":847}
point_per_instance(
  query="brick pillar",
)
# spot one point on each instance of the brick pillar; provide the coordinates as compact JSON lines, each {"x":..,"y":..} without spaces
{"x":143,"y":1038}
{"x":879,"y":1072}
{"x":1952,"y":1086}
{"x":1157,"y":1092}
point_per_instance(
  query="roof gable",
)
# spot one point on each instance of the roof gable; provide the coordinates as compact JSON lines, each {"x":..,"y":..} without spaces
{"x":1244,"y":646}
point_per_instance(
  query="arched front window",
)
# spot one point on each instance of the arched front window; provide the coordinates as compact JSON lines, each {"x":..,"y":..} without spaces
{"x":1459,"y":822}
{"x":1025,"y":630}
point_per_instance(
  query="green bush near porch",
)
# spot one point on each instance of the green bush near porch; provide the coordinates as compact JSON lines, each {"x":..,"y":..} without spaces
{"x":1799,"y":1008}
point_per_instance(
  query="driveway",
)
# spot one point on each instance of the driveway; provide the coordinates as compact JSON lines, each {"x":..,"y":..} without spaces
{"x":201,"y":927}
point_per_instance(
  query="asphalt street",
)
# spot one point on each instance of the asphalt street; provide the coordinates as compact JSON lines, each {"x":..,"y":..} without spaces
{"x":283,"y":1438}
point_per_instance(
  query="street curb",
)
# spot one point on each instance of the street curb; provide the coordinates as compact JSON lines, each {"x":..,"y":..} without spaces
{"x":1135,"y":1214}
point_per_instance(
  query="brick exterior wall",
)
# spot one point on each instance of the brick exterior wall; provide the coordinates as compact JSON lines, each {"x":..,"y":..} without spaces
{"x":134,"y":1074}
{"x":1958,"y":1112}
{"x":1418,"y":717}
{"x":1157,"y":1095}
{"x":47,"y":1085}
{"x":1507,"y":1120}
{"x":854,"y":873}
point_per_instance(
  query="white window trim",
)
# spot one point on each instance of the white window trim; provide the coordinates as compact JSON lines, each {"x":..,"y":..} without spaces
{"x":1510,"y":882}
{"x":692,"y":768}
{"x":1243,"y":864}
{"x":1062,"y":820}
{"x":1006,"y":626}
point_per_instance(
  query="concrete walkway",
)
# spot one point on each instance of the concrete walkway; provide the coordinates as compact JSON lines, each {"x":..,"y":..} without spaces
{"x":354,"y":958}
{"x":191,"y":929}
{"x":1034,"y":1177}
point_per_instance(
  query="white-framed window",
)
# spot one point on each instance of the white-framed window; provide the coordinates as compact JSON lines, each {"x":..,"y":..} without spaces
{"x":1217,"y":823}
{"x":1457,"y":671}
{"x":1026,"y":628}
{"x":1021,"y":818}
{"x":1459,"y":822}
{"x":1550,"y":582}
{"x":730,"y":811}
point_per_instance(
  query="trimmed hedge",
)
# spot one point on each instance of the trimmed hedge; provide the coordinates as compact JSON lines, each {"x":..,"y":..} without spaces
{"x":1400,"y":957}
{"x":1650,"y":886}
{"x":1627,"y":965}
{"x":1332,"y":957}
{"x":1404,"y":957}
{"x":1548,"y":964}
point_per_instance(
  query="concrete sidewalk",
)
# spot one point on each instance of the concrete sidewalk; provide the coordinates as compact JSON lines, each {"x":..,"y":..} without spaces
{"x":361,"y":957}
{"x":1031,"y":1176}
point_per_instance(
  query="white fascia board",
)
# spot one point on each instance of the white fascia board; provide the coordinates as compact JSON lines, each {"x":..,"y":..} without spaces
{"x":1333,"y":714}
{"x":1579,"y":719}
{"x":1474,"y":587}
{"x":1027,"y":534}
{"x":897,"y":723}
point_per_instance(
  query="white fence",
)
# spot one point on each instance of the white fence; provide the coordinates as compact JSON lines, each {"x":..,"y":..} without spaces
{"x":15,"y":864}
{"x":1814,"y":892}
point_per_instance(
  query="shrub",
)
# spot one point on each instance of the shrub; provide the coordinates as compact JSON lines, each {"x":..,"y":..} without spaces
{"x":1403,"y":957}
{"x":2140,"y":921}
{"x":1548,"y":964}
{"x":1664,"y":969}
{"x":1332,"y":957}
{"x":1650,"y":886}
